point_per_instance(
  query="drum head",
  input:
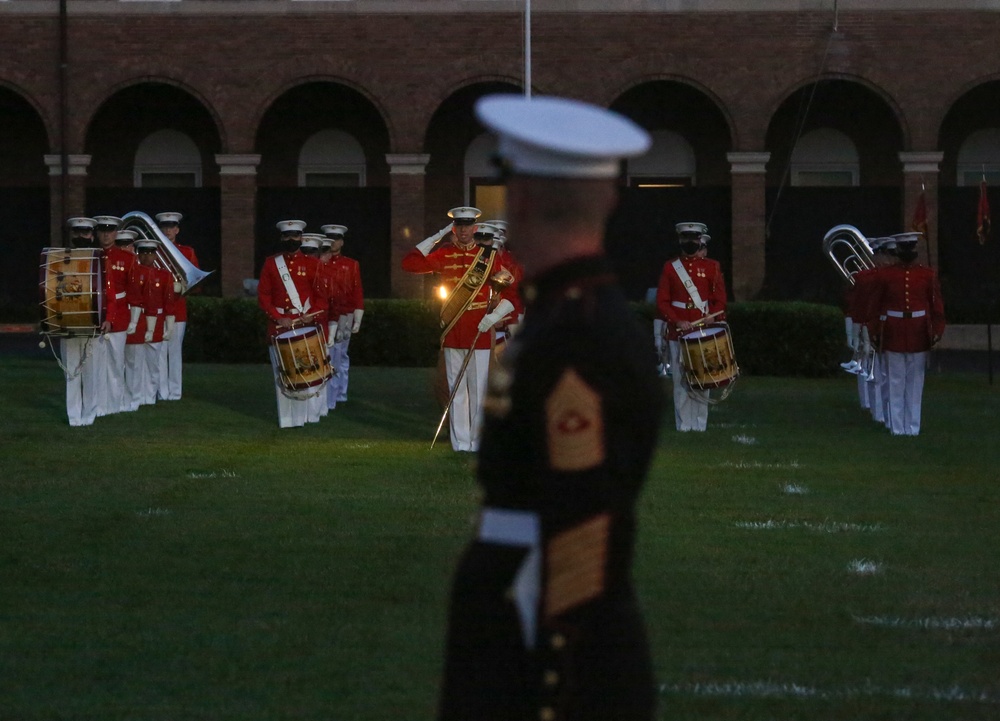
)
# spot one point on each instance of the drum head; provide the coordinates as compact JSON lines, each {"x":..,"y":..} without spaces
{"x":294,"y":333}
{"x":707,"y":332}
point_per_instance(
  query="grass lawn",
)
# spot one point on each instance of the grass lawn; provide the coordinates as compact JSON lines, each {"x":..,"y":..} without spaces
{"x":193,"y":561}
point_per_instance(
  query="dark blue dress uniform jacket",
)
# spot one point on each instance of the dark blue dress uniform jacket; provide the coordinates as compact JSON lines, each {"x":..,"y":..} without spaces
{"x":571,"y":423}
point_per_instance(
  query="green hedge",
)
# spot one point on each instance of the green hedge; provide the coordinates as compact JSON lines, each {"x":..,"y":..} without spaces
{"x":770,"y":338}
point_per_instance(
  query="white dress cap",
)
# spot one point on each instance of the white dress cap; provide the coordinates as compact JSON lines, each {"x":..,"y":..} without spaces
{"x":333,"y":229}
{"x":559,"y":137}
{"x":291,"y":225}
{"x":487,"y":229}
{"x":111,"y":220}
{"x":311,"y":240}
{"x":81,"y":223}
{"x":699,"y":228}
{"x":326,"y":243}
{"x":464,"y":215}
{"x":125,"y":236}
{"x":906,"y":237}
{"x":146,"y":243}
{"x":705,"y":238}
{"x":500,"y":225}
{"x":169,"y":217}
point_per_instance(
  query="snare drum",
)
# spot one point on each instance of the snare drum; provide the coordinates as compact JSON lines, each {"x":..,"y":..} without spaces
{"x":708,"y":358}
{"x":71,"y":285}
{"x":302,"y":357}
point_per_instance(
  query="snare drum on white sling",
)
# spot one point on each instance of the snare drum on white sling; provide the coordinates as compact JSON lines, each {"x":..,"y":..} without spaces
{"x":302,"y":360}
{"x":708,"y":358}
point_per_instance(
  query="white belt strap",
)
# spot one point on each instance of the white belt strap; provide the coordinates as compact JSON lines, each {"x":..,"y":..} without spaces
{"x":689,"y":286}
{"x":506,"y":527}
{"x":678,"y":304}
{"x":286,"y":279}
{"x":906,"y":314}
{"x":119,"y":296}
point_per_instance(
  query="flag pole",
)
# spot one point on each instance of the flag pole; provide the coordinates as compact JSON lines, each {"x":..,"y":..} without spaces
{"x":527,"y":48}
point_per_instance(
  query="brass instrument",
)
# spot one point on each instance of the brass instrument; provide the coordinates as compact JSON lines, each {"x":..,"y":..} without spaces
{"x":849,"y":250}
{"x":168,"y":256}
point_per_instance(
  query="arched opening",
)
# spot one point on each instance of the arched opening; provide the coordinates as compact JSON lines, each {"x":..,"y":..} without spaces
{"x":824,"y":158}
{"x":167,"y":159}
{"x":332,"y":159}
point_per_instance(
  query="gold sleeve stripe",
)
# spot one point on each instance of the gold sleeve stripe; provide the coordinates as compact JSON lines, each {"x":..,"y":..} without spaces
{"x":575,"y":564}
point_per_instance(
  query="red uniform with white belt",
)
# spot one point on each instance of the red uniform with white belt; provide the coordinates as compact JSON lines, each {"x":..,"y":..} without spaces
{"x":451,"y":262}
{"x":346,"y":304}
{"x":675,"y":305}
{"x":471,"y":330}
{"x":151,"y":299}
{"x":273,"y":298}
{"x":905,"y":306}
{"x":171,"y":359}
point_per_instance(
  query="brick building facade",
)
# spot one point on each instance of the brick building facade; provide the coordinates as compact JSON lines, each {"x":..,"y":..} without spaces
{"x":772,"y":124}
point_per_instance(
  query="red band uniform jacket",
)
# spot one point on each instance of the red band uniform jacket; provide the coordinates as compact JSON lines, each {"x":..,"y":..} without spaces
{"x":273,"y":297}
{"x":341,"y":277}
{"x":152,"y":289}
{"x":706,"y":274}
{"x":451,"y":262}
{"x":913,"y":292}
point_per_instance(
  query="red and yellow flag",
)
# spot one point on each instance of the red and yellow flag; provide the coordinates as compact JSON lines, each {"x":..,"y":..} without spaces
{"x":983,"y":215}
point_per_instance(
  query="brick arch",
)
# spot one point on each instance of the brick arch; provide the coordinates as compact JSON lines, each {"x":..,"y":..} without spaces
{"x":109,"y":93}
{"x":890,"y":102}
{"x":291,"y":83}
{"x":959,"y":94}
{"x":712,"y":97}
{"x":49,"y":125}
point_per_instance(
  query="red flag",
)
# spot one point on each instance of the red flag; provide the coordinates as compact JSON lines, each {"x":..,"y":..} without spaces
{"x":983,"y":215}
{"x":919,"y":224}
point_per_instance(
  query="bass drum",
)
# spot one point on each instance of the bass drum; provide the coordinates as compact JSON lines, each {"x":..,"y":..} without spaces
{"x":708,"y":358}
{"x":71,"y":285}
{"x":303,"y":361}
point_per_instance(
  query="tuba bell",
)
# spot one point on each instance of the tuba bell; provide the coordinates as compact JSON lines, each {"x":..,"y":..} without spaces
{"x":168,"y":256}
{"x":848,"y":249}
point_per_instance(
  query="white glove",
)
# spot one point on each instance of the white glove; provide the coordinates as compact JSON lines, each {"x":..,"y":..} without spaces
{"x":426,"y":245}
{"x":150,"y":328}
{"x":491,"y":319}
{"x":135,"y":312}
{"x":331,"y":333}
{"x":168,"y":327}
{"x":177,"y":287}
{"x":849,"y":328}
{"x":359,"y":313}
{"x":340,"y":334}
{"x":865,"y":344}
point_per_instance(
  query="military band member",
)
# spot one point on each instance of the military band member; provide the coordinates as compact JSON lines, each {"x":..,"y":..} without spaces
{"x":465,"y":269}
{"x":508,"y":326}
{"x":346,"y":310}
{"x":171,"y":384}
{"x":110,"y":352}
{"x":289,"y":296}
{"x":76,"y":353}
{"x":871,"y":392}
{"x":908,"y":296}
{"x":691,"y":287}
{"x":543,"y":620}
{"x":151,"y":301}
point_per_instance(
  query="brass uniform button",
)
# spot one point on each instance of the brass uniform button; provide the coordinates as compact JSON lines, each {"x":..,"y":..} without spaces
{"x":547,"y":714}
{"x":551,"y":678}
{"x":557,"y":641}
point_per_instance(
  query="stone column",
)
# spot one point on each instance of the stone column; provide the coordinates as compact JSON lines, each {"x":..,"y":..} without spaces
{"x":406,"y":191}
{"x":920,"y":173}
{"x":238,"y":191}
{"x":76,"y":193}
{"x":749,"y":222}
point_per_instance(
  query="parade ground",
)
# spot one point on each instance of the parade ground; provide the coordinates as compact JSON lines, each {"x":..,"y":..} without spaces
{"x":193,"y":562}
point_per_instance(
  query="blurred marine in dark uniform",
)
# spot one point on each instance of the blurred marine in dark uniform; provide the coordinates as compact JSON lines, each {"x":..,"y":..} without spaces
{"x":543,"y":621}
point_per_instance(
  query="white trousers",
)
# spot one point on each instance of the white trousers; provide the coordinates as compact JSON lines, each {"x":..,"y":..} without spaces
{"x":464,"y":415}
{"x":171,"y":365}
{"x":906,"y":389}
{"x":690,"y":406}
{"x":84,"y":373}
{"x":114,"y":362}
{"x":875,"y":389}
{"x":336,"y":389}
{"x":142,"y":362}
{"x":864,"y":391}
{"x":295,"y":412}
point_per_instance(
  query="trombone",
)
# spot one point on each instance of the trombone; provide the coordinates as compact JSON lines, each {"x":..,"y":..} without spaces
{"x":168,"y":256}
{"x":849,"y":250}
